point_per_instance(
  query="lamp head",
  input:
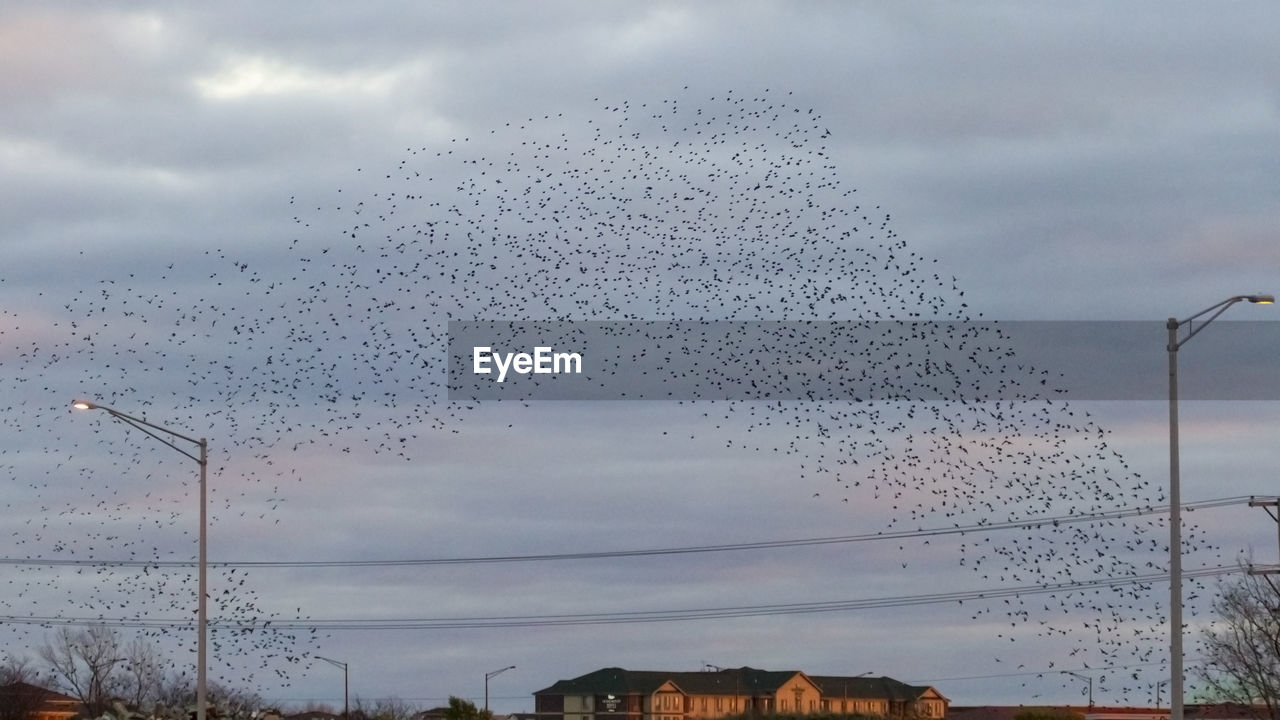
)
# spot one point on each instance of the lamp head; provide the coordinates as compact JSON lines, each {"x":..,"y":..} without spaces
{"x":1261,"y":299}
{"x":84,"y":405}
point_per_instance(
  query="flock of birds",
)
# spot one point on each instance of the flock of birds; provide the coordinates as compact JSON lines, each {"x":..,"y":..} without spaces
{"x":724,"y":208}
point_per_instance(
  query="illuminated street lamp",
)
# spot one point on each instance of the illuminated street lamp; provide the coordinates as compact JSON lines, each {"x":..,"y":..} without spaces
{"x":346,"y":685}
{"x":1175,"y":493}
{"x":486,"y":685}
{"x":203,"y":460}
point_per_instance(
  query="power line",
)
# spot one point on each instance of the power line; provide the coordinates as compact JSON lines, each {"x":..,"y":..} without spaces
{"x":628,"y":617}
{"x":1034,"y":673}
{"x":1055,"y":521}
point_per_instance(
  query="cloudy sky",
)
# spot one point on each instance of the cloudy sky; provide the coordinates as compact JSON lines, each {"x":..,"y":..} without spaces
{"x":253,"y":222}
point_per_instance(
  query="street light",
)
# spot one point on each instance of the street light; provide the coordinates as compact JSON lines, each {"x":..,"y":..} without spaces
{"x":346,"y":685}
{"x":1082,"y":677}
{"x":202,"y":621}
{"x":486,"y":684}
{"x":1175,"y":493}
{"x":844,"y":700}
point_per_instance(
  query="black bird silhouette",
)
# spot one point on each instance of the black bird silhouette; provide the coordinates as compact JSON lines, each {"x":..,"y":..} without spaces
{"x":694,"y":210}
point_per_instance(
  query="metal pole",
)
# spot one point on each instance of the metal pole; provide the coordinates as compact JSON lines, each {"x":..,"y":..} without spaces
{"x":486,"y":685}
{"x":202,"y":613}
{"x":1175,"y":490}
{"x":202,"y":620}
{"x":346,"y":683}
{"x":1175,"y":535}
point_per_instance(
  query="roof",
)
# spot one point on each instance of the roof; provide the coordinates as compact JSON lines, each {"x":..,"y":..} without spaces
{"x":868,"y":687}
{"x":743,"y":680}
{"x":608,"y":681}
{"x":42,"y":695}
{"x":733,"y":680}
{"x":617,"y":681}
{"x":21,"y":695}
{"x":1225,"y":710}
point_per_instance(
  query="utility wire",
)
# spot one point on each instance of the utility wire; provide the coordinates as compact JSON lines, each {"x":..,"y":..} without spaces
{"x":1033,"y":673}
{"x":643,"y":616}
{"x":976,"y":528}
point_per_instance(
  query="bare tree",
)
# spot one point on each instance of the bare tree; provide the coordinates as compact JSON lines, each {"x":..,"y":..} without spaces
{"x":19,"y":700}
{"x":233,"y":703}
{"x":176,"y":692}
{"x":176,"y":698}
{"x":140,"y":678}
{"x":16,"y":669}
{"x":1242,"y":648}
{"x":83,"y":662}
{"x":382,"y":709}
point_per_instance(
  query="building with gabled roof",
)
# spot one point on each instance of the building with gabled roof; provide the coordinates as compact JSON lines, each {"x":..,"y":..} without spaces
{"x":32,"y":702}
{"x":879,"y":696}
{"x":618,"y":694}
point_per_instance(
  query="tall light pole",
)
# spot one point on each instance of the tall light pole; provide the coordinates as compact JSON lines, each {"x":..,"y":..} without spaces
{"x":1082,"y":677}
{"x":486,"y":685}
{"x":202,"y":619}
{"x":1175,"y":493}
{"x":346,"y":685}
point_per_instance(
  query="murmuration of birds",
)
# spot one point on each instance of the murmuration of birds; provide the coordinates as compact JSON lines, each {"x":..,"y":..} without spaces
{"x":727,"y":207}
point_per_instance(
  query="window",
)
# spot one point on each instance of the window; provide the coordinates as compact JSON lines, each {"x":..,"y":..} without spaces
{"x":719,"y":703}
{"x":783,"y":705}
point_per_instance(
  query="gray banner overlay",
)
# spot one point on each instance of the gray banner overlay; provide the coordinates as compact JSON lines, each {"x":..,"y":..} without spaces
{"x":858,"y":361}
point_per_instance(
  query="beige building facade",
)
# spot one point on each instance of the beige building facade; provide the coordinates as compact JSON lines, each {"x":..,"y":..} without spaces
{"x":618,"y":694}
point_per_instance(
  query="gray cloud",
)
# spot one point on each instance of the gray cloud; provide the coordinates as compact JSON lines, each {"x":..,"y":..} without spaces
{"x":1094,"y":163}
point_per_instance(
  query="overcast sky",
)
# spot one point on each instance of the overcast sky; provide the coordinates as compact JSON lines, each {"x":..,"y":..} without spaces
{"x":251,"y":222}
